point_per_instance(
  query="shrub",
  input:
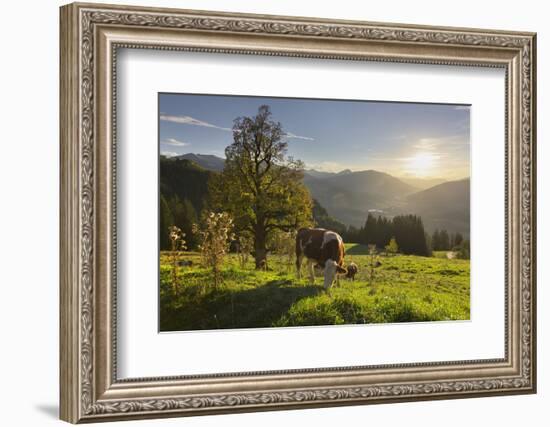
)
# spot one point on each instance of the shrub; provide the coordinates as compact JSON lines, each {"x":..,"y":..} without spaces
{"x":463,"y":251}
{"x":177,"y":242}
{"x":246,"y":245}
{"x":391,"y":247}
{"x":372,"y":261}
{"x":214,"y":236}
{"x":284,"y":244}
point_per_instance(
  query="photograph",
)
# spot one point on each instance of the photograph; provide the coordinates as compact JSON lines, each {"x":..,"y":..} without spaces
{"x":280,"y":212}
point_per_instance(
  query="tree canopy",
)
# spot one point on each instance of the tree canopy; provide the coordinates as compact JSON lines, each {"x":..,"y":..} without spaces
{"x":260,"y":186}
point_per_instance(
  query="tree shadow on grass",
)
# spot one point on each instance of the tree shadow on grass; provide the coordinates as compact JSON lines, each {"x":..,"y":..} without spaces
{"x":225,"y":309}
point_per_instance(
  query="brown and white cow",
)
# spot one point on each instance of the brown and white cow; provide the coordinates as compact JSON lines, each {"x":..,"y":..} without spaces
{"x":322,"y":247}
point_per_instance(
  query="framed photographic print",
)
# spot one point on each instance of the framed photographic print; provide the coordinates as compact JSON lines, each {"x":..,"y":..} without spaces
{"x":266,"y":212}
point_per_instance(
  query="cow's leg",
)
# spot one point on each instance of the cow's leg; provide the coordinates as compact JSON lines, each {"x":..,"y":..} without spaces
{"x":330,"y":272}
{"x":311,"y":271}
{"x":299,"y":259}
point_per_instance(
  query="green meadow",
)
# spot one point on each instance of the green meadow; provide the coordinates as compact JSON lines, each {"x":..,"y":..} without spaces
{"x":402,"y":288}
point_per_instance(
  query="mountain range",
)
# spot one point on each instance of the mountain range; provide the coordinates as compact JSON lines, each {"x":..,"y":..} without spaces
{"x":418,"y":183}
{"x":207,"y":161}
{"x":348,"y":196}
{"x":447,"y":205}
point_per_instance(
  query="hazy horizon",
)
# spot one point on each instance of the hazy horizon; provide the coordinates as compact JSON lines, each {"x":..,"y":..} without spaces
{"x":406,"y":140}
{"x":430,"y":178}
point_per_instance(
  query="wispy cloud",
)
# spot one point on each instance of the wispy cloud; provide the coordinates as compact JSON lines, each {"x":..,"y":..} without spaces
{"x":188,"y":120}
{"x":434,"y":143}
{"x":174,"y":141}
{"x":168,"y":153}
{"x":294,"y":136}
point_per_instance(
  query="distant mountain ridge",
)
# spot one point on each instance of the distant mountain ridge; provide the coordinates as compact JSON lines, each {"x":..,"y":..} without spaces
{"x":348,"y":196}
{"x":318,"y":174}
{"x":207,"y":161}
{"x":422,"y":183}
{"x":447,"y":205}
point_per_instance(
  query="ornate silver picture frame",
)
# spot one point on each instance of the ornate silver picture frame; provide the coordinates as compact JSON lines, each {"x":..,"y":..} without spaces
{"x":91,"y":390}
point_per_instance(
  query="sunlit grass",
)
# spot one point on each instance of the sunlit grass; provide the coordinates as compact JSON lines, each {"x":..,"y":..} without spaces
{"x":403,"y":289}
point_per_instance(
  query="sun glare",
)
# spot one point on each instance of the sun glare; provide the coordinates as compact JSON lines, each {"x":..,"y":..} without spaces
{"x":421,"y":164}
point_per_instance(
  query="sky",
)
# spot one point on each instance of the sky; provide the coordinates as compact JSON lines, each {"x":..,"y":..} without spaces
{"x":403,"y":139}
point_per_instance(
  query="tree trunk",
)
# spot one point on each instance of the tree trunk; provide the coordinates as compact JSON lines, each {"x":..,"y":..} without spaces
{"x":260,"y":251}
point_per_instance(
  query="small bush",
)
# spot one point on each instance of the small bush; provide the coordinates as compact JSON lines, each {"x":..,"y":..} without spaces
{"x":463,"y":250}
{"x":283,"y":243}
{"x":214,"y":235}
{"x":246,"y":245}
{"x":391,"y":247}
{"x":177,"y":240}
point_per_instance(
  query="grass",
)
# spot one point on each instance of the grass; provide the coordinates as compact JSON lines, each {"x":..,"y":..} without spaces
{"x":403,"y":289}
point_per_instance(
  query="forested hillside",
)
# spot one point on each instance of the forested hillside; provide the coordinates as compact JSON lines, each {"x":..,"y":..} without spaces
{"x":183,"y":189}
{"x":183,"y":195}
{"x":445,"y":206}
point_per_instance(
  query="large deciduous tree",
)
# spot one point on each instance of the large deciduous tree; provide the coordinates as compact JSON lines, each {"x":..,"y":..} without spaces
{"x":260,"y":186}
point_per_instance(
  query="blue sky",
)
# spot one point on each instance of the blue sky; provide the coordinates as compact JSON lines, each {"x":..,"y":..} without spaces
{"x":403,"y":139}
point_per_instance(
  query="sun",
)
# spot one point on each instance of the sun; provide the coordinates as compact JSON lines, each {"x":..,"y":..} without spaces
{"x":421,"y":164}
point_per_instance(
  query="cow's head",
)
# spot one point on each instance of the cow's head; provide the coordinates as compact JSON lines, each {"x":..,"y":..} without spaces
{"x":352,"y":270}
{"x":331,"y":270}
